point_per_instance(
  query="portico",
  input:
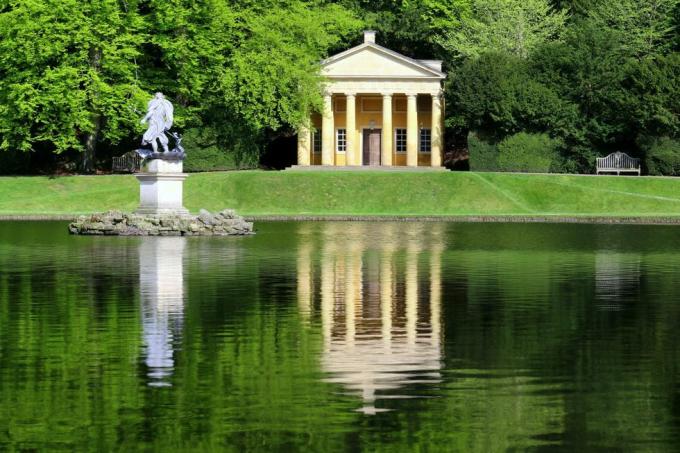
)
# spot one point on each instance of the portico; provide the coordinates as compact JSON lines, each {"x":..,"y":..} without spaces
{"x":380,"y":109}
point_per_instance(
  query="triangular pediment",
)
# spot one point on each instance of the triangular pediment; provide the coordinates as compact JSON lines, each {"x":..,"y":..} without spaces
{"x":373,"y":61}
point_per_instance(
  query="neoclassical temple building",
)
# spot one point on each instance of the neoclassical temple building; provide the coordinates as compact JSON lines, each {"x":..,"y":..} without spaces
{"x":381,"y":109}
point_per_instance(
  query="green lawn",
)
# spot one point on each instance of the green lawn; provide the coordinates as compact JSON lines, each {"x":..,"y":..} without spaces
{"x":361,"y":193}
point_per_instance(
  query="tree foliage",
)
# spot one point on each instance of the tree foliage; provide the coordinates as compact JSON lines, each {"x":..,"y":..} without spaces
{"x":516,"y":27}
{"x":76,"y":74}
{"x":644,"y":26}
{"x":68,"y":72}
{"x":596,"y":75}
{"x":598,"y":88}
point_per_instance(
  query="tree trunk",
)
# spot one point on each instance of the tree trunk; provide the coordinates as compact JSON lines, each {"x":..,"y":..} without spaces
{"x":91,"y":140}
{"x":92,"y":137}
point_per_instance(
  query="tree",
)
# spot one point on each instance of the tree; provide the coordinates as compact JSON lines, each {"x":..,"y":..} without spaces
{"x":69,"y":74}
{"x":411,"y":27}
{"x":274,"y":74}
{"x":516,"y":27}
{"x":644,"y":26}
{"x":498,"y":95}
{"x":618,"y":97}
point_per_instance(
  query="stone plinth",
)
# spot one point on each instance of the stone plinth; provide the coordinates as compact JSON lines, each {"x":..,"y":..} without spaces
{"x":161,"y":188}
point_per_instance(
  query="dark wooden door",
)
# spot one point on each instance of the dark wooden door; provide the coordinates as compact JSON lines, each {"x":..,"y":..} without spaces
{"x":372,"y":142}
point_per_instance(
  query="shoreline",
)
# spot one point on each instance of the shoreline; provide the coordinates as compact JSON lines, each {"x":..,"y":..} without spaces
{"x":575,"y":219}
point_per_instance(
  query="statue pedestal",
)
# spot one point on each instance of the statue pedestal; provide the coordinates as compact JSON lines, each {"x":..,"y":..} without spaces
{"x":160,"y":188}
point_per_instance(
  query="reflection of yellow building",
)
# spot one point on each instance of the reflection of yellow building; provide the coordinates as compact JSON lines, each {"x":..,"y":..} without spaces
{"x":379,"y":307}
{"x":380,"y":108}
{"x":161,"y":286}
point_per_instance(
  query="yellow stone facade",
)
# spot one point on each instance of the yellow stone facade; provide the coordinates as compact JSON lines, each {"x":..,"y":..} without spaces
{"x":380,"y":108}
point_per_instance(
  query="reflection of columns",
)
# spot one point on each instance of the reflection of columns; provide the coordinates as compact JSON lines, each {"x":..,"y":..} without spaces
{"x":436,"y":148}
{"x":304,"y":146}
{"x":357,"y":267}
{"x":350,"y":300}
{"x":411,"y":294}
{"x":327,"y":131}
{"x":351,"y":127}
{"x":161,"y":285}
{"x":304,"y":281}
{"x":412,"y":130}
{"x":375,"y":361}
{"x":327,"y":296}
{"x":386,"y":296}
{"x":386,"y":158}
{"x":435,"y":294}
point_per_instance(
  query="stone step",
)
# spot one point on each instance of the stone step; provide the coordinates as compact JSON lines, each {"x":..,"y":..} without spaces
{"x":364,"y":168}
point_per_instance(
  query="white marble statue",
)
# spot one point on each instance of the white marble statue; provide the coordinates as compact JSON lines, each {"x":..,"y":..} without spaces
{"x":159,"y":117}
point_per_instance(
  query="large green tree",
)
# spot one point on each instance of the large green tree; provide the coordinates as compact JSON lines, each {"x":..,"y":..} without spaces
{"x":511,"y":26}
{"x":77,"y":74}
{"x":644,"y":26}
{"x":69,"y":74}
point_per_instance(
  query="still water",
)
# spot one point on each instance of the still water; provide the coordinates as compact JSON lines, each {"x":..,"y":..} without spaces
{"x":342,"y":336}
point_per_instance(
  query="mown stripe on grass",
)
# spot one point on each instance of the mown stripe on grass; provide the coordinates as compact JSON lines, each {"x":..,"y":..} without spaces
{"x":615,"y":192}
{"x":504,"y":193}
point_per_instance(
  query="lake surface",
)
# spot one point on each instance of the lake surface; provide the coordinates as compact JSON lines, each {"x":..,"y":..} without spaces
{"x":342,"y":336}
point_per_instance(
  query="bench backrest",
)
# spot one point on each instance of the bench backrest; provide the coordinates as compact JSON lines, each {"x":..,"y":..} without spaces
{"x":618,"y":160}
{"x":128,"y":162}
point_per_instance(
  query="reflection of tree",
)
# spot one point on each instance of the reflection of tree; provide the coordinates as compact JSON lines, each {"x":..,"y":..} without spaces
{"x":69,"y":340}
{"x":381,"y":333}
{"x":528,"y":360}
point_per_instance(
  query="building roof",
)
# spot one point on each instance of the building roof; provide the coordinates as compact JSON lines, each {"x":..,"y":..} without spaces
{"x":341,"y":65}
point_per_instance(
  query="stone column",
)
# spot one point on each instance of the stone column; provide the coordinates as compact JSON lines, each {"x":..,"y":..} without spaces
{"x":351,"y":127}
{"x":412,"y":131}
{"x":386,"y":156}
{"x":437,"y":133}
{"x":304,"y":146}
{"x":327,"y":132}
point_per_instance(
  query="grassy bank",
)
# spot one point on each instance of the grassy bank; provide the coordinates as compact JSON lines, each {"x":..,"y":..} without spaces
{"x":400,"y":194}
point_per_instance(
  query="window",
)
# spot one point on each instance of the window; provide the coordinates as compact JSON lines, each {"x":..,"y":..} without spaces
{"x":341,"y":140}
{"x":425,"y":140}
{"x":316,"y":142}
{"x":400,"y":140}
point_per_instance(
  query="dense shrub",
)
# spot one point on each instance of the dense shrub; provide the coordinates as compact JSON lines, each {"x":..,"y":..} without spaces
{"x":203,"y":152}
{"x":530,"y":153}
{"x":483,"y":155}
{"x":662,"y":156}
{"x":208,"y":159}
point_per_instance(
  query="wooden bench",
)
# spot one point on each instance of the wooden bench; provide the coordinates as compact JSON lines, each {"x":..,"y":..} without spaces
{"x":127,"y":163}
{"x":618,"y":163}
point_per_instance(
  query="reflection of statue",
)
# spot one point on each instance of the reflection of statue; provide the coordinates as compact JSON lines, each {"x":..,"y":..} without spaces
{"x":161,"y":287}
{"x":159,"y":117}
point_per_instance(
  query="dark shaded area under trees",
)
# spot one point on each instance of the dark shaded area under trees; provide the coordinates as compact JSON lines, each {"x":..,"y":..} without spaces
{"x":533,"y":85}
